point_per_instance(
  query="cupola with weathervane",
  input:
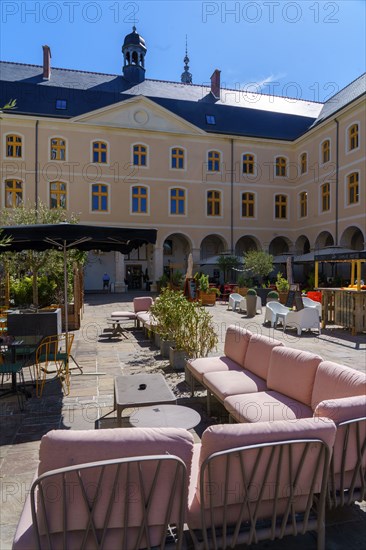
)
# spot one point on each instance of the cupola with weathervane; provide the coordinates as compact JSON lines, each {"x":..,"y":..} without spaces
{"x":134,"y":51}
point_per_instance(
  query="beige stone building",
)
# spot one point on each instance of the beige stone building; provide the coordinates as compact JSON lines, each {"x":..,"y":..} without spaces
{"x":212,"y":169}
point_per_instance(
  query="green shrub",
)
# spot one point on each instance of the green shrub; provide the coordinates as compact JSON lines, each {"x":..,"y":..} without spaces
{"x":251,"y":292}
{"x":273,"y":294}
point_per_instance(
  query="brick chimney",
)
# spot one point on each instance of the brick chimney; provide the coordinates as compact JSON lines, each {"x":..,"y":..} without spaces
{"x":46,"y":62}
{"x":215,"y":84}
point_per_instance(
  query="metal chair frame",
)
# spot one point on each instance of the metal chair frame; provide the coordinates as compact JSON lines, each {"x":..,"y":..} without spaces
{"x":278,"y":455}
{"x":49,"y":352}
{"x":116,"y":495}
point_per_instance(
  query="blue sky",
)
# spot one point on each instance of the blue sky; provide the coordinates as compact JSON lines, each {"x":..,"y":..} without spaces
{"x":305,"y":49}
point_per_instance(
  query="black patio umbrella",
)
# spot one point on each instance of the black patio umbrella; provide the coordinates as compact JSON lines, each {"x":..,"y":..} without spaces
{"x":63,"y":236}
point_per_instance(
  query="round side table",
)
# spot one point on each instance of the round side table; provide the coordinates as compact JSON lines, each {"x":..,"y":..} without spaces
{"x":165,"y":416}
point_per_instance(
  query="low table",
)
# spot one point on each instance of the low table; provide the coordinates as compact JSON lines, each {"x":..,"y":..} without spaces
{"x":165,"y":416}
{"x":136,"y":390}
{"x":116,"y":328}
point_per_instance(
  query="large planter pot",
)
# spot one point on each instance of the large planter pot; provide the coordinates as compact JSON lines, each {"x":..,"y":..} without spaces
{"x":207,"y":299}
{"x":157,"y":340}
{"x":164,"y":347}
{"x":177,"y":358}
{"x":263,"y":293}
{"x":251,"y":305}
{"x":283,"y":296}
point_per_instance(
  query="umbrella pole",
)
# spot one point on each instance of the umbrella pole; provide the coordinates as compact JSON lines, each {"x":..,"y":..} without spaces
{"x":66,"y":300}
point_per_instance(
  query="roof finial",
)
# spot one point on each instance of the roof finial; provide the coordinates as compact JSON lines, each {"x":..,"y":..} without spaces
{"x":186,"y":77}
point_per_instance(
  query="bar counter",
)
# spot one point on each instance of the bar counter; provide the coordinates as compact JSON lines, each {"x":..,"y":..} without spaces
{"x":344,"y":307}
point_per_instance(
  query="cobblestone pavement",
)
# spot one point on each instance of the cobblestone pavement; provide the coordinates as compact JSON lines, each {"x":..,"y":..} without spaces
{"x":91,"y":397}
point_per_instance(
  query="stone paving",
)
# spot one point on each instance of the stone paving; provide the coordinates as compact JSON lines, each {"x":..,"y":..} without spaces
{"x":91,"y":396}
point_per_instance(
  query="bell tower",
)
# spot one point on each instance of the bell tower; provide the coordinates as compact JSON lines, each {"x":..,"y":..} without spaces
{"x":186,"y":77}
{"x":134,"y":51}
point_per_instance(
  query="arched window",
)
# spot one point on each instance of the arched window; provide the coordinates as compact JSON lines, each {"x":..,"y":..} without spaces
{"x":99,"y":197}
{"x":58,"y":149}
{"x":139,"y":199}
{"x":281,"y":166}
{"x":213,"y":203}
{"x":57,"y":194}
{"x":99,"y":152}
{"x":139,"y":155}
{"x":280,"y":207}
{"x":353,"y":188}
{"x":248,"y":163}
{"x":177,"y":159}
{"x":353,"y":137}
{"x":325,"y":151}
{"x":303,"y":163}
{"x":247,"y":205}
{"x":325,"y":196}
{"x":303,"y":204}
{"x":177,"y":201}
{"x":213,"y":161}
{"x":13,"y":146}
{"x":13,"y":193}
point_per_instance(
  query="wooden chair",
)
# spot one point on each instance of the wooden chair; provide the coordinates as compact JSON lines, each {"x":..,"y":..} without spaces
{"x":52,"y":356}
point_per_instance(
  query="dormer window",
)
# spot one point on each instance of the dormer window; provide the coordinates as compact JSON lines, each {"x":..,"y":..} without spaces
{"x":61,"y":104}
{"x":210,"y":119}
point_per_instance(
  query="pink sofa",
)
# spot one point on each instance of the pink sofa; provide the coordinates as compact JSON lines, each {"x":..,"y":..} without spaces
{"x":259,"y":481}
{"x":140,"y":313}
{"x":140,"y":477}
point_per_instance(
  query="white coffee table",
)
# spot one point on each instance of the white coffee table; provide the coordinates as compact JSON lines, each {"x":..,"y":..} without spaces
{"x":165,"y":416}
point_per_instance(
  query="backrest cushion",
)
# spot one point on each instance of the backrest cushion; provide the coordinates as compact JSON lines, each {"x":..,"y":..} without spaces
{"x":65,"y":448}
{"x":259,"y":353}
{"x":143,"y":303}
{"x":236,"y":343}
{"x":292,"y":372}
{"x":230,"y":436}
{"x":333,"y":381}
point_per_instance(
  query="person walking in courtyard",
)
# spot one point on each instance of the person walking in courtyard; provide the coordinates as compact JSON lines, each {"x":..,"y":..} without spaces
{"x":106,"y":280}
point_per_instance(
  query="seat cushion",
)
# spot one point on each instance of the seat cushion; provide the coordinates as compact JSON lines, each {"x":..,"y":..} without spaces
{"x":292,"y":372}
{"x":223,"y":384}
{"x":259,"y":353}
{"x":236,"y":343}
{"x":203,"y":365}
{"x":333,"y":381}
{"x":142,"y":303}
{"x":266,"y":406}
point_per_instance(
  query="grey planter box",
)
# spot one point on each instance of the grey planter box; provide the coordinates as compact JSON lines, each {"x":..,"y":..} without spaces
{"x":177,"y":359}
{"x":40,"y":323}
{"x":164,"y":347}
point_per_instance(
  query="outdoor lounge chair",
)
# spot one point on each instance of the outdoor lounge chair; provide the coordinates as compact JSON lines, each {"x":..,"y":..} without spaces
{"x":306,"y":318}
{"x":234,"y":300}
{"x":308,"y":302}
{"x":274,"y":312}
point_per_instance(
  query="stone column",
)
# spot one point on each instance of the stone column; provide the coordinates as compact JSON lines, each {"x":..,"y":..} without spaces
{"x":157,"y":265}
{"x":119,"y":285}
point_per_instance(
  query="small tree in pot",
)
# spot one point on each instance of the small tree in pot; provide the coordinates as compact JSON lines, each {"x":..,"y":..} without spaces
{"x":283,"y":286}
{"x":251,"y":299}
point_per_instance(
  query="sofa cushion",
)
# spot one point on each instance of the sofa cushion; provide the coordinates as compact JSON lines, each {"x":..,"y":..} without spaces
{"x":236,"y":343}
{"x":203,"y":365}
{"x":292,"y":372}
{"x":124,"y":314}
{"x":258,"y":354}
{"x":341,"y":410}
{"x":230,"y":436}
{"x":223,"y":384}
{"x":333,"y":381}
{"x":265,"y":406}
{"x":61,"y":448}
{"x":142,"y":303}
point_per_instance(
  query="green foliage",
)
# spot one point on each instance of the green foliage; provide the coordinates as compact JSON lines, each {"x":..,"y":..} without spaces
{"x":273,"y":294}
{"x":282,"y":284}
{"x":41,"y":264}
{"x":21,"y":291}
{"x":177,"y":278}
{"x":185,"y":323}
{"x":241,"y":281}
{"x":251,"y":292}
{"x":203,"y":283}
{"x":163,"y":280}
{"x":258,"y":262}
{"x":226,"y":263}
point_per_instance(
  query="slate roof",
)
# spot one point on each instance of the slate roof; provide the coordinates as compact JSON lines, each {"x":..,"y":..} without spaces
{"x":237,"y":112}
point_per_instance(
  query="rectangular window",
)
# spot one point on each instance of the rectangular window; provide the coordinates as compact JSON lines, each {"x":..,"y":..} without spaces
{"x":210,"y":119}
{"x":61,"y":104}
{"x":280,"y":207}
{"x":177,"y":201}
{"x":213,"y":203}
{"x":139,"y":155}
{"x":139,"y":200}
{"x":353,"y":190}
{"x":57,"y":194}
{"x":13,"y":193}
{"x":303,"y":204}
{"x":178,"y":159}
{"x":99,"y":198}
{"x":247,"y":205}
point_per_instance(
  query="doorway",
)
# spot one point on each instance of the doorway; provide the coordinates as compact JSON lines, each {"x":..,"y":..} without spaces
{"x":134,"y":277}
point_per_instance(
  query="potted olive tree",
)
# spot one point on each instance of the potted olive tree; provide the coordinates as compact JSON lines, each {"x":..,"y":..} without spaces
{"x":283,"y":286}
{"x":260,"y":265}
{"x":207,"y":294}
{"x":251,"y":299}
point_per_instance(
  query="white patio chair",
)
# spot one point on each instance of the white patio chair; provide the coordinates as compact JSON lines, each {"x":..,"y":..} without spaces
{"x":234,"y":300}
{"x":275,"y":312}
{"x":243,"y":304}
{"x":307,"y":318}
{"x":308,"y":302}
